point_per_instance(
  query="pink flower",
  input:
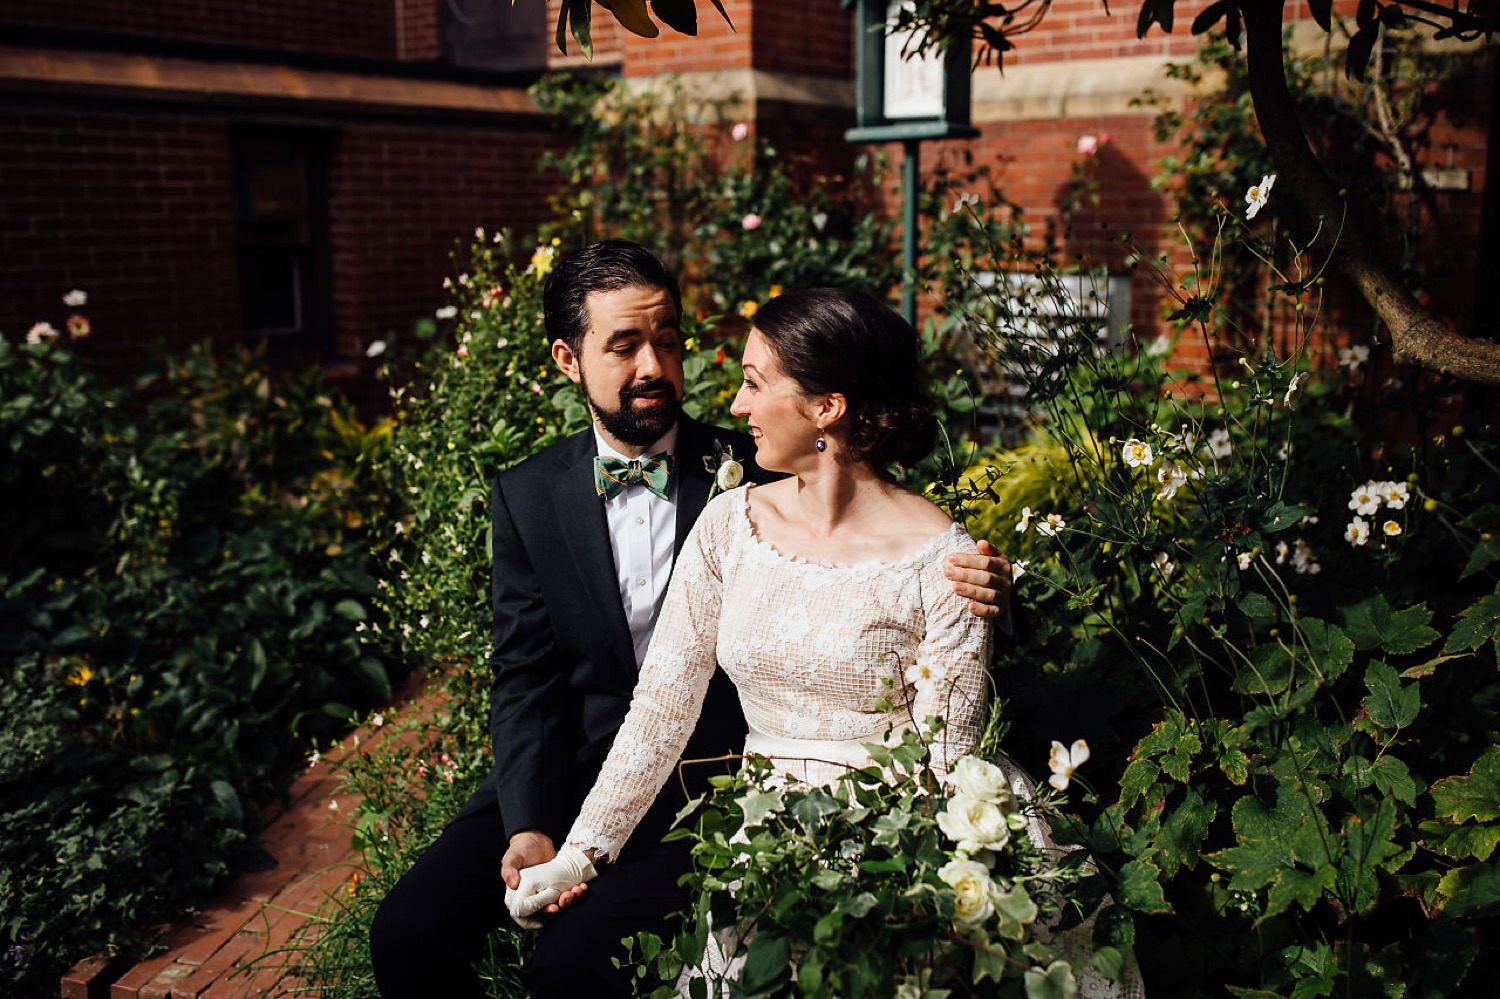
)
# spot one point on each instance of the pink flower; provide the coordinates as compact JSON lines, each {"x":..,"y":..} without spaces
{"x":1088,"y":145}
{"x":751,"y":221}
{"x":463,"y":351}
{"x":740,"y":131}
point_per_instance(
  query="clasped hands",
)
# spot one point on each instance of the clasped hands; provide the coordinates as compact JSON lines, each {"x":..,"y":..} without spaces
{"x":540,"y":880}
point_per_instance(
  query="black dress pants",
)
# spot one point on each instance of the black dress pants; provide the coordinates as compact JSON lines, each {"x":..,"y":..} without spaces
{"x":432,"y":926}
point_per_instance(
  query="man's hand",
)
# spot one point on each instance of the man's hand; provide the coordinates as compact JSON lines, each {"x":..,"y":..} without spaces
{"x":527,"y":849}
{"x":541,"y":886}
{"x":983,"y":577}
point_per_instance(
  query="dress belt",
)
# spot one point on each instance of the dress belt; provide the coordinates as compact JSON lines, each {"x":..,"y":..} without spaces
{"x":848,"y":752}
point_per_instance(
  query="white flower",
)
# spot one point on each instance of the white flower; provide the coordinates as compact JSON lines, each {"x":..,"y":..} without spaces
{"x":40,"y":332}
{"x":1395,"y":494}
{"x":1164,"y":565}
{"x":1088,"y":145}
{"x":1303,"y":560}
{"x":1064,"y":761}
{"x":1391,"y":528}
{"x":1172,"y":477}
{"x":1159,"y":347}
{"x":1258,"y":194}
{"x":76,"y":299}
{"x":1050,"y":525}
{"x":740,"y":131}
{"x":971,"y":882}
{"x":1024,"y":524}
{"x":1365,"y":499}
{"x":1358,"y":531}
{"x":730,"y":474}
{"x":925,"y":677}
{"x":1353,"y":357}
{"x":973,"y":824}
{"x":378,"y":720}
{"x":446,"y":312}
{"x":1018,"y":569}
{"x":333,"y":805}
{"x":965,"y":200}
{"x":375,"y":349}
{"x":983,"y":780}
{"x":1244,"y":559}
{"x":1219,"y":445}
{"x":1294,"y":390}
{"x":312,"y":760}
{"x":750,"y":222}
{"x":1137,"y":453}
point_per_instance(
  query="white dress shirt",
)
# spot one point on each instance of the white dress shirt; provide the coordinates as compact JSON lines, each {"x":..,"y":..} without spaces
{"x":642,"y":532}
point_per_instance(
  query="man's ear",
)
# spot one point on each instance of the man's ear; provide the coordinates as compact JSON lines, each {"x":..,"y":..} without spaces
{"x":566,"y":361}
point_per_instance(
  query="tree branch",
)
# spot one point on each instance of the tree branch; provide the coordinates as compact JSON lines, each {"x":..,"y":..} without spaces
{"x":1417,"y":337}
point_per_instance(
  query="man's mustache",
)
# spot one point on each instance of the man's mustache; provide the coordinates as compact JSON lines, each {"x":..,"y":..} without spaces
{"x":650,"y":387}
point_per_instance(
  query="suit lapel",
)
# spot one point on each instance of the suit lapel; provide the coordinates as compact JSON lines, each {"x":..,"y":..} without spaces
{"x":694,"y":442}
{"x":585,"y":531}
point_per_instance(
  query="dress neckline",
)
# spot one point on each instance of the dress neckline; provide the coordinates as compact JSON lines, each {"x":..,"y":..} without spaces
{"x":921,"y":555}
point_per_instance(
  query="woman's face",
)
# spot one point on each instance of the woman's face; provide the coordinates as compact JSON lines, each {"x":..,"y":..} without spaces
{"x":780,"y":415}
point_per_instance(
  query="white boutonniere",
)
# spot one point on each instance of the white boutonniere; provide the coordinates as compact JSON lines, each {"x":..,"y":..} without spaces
{"x":727,"y":472}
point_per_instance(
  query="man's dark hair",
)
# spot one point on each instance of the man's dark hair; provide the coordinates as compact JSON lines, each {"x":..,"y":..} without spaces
{"x":604,"y":266}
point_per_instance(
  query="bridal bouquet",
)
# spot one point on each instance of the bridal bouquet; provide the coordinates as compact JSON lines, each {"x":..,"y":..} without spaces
{"x":892,"y":881}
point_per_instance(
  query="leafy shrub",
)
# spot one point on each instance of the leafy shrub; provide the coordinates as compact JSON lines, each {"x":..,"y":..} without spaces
{"x":179,"y":605}
{"x":1276,"y":621}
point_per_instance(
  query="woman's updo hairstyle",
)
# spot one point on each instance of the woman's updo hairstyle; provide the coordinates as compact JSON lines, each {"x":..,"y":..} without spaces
{"x":831,"y":340}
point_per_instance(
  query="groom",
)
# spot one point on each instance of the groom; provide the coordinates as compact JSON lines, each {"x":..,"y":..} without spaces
{"x":583,"y":546}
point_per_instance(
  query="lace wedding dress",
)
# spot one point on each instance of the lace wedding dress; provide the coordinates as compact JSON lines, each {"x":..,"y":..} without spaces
{"x":811,"y":648}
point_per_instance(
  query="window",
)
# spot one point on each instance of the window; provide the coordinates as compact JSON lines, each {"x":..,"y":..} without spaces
{"x":280,"y":206}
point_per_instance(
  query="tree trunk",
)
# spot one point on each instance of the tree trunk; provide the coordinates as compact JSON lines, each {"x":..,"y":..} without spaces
{"x":1417,"y":337}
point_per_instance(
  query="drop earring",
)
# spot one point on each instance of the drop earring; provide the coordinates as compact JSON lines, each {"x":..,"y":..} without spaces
{"x":820,"y":444}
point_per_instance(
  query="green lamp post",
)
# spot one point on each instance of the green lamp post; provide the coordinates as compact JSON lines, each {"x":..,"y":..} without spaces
{"x":906,"y":101}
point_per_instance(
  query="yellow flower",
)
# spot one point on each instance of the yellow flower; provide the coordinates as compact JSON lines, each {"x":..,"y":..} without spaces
{"x":542,"y":260}
{"x":82,"y":677}
{"x":775,"y":291}
{"x":749,"y":309}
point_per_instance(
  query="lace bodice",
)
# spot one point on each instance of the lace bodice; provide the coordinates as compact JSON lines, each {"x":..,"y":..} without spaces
{"x":811,"y":648}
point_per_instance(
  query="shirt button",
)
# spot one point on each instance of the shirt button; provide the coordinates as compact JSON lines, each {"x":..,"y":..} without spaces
{"x":640,"y":520}
{"x":640,"y":581}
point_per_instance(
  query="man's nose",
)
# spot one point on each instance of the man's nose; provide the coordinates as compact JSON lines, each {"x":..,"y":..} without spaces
{"x":647,"y":364}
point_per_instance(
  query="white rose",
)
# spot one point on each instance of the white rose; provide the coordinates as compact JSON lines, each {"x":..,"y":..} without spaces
{"x":983,"y":780}
{"x":970,"y":881}
{"x":730,"y":474}
{"x":973,"y":824}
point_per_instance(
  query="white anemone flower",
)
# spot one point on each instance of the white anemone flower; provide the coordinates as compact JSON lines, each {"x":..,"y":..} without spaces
{"x":1137,"y":453}
{"x":1219,"y":444}
{"x":1164,"y":565}
{"x":1172,"y":477}
{"x":1064,"y":761}
{"x":1024,"y":524}
{"x":1358,"y":532}
{"x":1243,"y":560}
{"x":1390,"y":528}
{"x":1353,"y":357}
{"x":1395,"y":494}
{"x":1365,"y":499}
{"x":1050,"y":525}
{"x":1257,"y":196}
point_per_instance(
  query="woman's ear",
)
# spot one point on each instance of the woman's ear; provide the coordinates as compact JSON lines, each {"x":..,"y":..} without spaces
{"x":830,"y":409}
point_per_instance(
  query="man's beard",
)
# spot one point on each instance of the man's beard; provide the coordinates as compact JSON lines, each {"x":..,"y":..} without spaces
{"x":638,"y":427}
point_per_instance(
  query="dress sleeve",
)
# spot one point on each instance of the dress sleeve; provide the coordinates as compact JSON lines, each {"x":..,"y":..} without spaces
{"x":668,"y":696}
{"x":955,"y":651}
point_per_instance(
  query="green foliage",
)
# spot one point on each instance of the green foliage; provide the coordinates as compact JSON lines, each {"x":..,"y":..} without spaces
{"x":857,"y":889}
{"x":1272,"y":604}
{"x":180,"y":600}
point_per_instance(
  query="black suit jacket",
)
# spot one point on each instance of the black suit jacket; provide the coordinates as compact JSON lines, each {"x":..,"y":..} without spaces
{"x":563,"y":663}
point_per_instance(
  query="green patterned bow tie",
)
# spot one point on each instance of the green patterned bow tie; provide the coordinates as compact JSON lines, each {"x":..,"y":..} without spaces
{"x":654,"y":471}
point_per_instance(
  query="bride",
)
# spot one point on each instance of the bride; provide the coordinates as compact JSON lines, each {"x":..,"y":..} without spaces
{"x":821,"y":595}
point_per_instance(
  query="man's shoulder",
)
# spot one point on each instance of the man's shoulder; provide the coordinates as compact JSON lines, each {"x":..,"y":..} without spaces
{"x":543,"y":466}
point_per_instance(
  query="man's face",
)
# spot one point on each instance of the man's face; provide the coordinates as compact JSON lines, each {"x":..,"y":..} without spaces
{"x":630,"y":365}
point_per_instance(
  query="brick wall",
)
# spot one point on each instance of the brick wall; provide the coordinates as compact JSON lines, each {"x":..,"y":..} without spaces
{"x":135,"y":210}
{"x":400,"y":200}
{"x":416,"y":29}
{"x":362,"y":28}
{"x":804,"y":37}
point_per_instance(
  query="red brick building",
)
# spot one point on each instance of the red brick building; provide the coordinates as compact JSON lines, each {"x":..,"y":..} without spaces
{"x":299,"y":172}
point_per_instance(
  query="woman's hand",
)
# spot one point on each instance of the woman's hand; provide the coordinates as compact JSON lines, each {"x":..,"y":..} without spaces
{"x":543,"y":886}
